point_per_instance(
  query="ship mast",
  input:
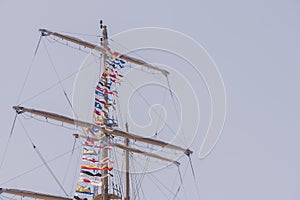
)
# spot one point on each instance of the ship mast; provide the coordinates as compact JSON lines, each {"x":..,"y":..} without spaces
{"x":105,"y":51}
{"x":127,"y":189}
{"x":104,"y":188}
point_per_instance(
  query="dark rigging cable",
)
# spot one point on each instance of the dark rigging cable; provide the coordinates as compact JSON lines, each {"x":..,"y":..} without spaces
{"x":181,"y":182}
{"x":29,"y":69}
{"x":7,"y":143}
{"x":59,"y":79}
{"x":194,"y":175}
{"x":43,"y":159}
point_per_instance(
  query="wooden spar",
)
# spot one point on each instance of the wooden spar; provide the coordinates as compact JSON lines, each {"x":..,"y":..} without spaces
{"x":31,"y":194}
{"x":130,"y":149}
{"x":105,"y":51}
{"x":147,"y":140}
{"x":127,"y":177}
{"x":146,"y":153}
{"x":110,"y":132}
{"x":105,"y":151}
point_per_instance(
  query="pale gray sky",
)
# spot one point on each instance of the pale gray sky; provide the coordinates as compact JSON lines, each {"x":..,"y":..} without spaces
{"x":256,"y":46}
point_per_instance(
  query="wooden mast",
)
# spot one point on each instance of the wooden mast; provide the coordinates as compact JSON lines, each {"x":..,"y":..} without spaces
{"x":104,"y":151}
{"x":127,"y":178}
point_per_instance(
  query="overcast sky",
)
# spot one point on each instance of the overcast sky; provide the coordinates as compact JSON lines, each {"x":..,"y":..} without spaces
{"x":255,"y":45}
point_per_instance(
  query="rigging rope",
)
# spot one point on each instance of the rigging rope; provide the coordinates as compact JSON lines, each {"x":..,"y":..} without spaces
{"x":49,"y":169}
{"x":61,"y":85}
{"x":38,"y":166}
{"x":158,"y":181}
{"x":69,"y":163}
{"x":181,"y":183}
{"x":160,"y":113}
{"x":137,"y":55}
{"x":119,"y":174}
{"x":77,"y":169}
{"x":177,"y":112}
{"x":43,"y":159}
{"x":147,"y":102}
{"x":57,"y":75}
{"x":194,"y":176}
{"x":57,"y":83}
{"x":7,"y":143}
{"x":29,"y":69}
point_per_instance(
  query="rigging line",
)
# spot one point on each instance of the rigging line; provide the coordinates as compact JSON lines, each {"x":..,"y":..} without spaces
{"x":7,"y":143}
{"x":60,"y":82}
{"x":42,"y":158}
{"x":177,"y":112}
{"x":184,"y":192}
{"x":160,"y":113}
{"x":57,"y":75}
{"x":143,"y":193}
{"x":145,"y":100}
{"x":139,"y":185}
{"x":136,"y":68}
{"x":151,"y":175}
{"x":6,"y":197}
{"x":77,"y":169}
{"x":118,"y":166}
{"x":194,"y":176}
{"x":48,"y":122}
{"x":66,"y":44}
{"x":49,"y":169}
{"x":173,"y":185}
{"x":38,"y":166}
{"x":120,"y":114}
{"x":55,"y":84}
{"x":127,"y":49}
{"x":181,"y":183}
{"x":69,"y":163}
{"x":29,"y":69}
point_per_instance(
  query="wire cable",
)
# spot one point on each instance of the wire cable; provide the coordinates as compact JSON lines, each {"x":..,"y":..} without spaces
{"x":29,"y":69}
{"x":7,"y":143}
{"x":43,"y":159}
{"x":194,"y":176}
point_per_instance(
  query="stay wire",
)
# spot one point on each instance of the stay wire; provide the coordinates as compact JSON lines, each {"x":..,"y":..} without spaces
{"x":160,"y":113}
{"x":77,"y":169}
{"x":49,"y":169}
{"x":7,"y":143}
{"x":43,"y":159}
{"x":38,"y":166}
{"x":119,"y":167}
{"x":55,"y":84}
{"x":58,"y":77}
{"x":177,"y":112}
{"x":158,"y":181}
{"x":6,"y":197}
{"x":139,"y":182}
{"x":60,"y":83}
{"x":194,"y":176}
{"x":69,"y":163}
{"x":29,"y":69}
{"x":181,"y":183}
{"x":147,"y":102}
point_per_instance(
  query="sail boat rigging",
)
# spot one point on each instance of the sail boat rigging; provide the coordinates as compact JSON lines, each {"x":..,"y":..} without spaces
{"x":105,"y":129}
